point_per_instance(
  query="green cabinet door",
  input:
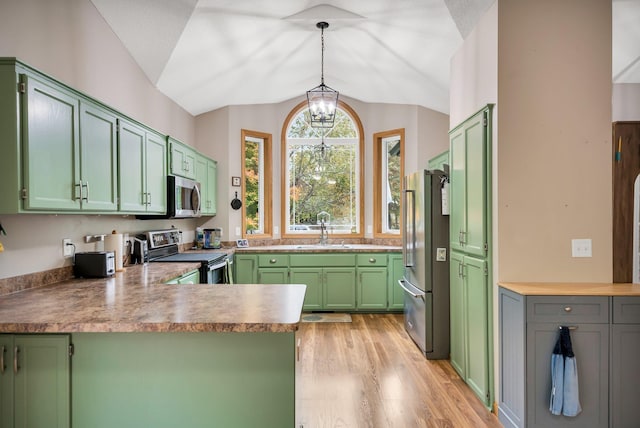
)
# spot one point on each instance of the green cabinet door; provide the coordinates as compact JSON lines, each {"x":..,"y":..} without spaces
{"x":192,"y":277}
{"x":183,"y":159}
{"x":273,"y":276}
{"x":6,"y":380}
{"x":396,"y":294}
{"x":35,"y":381}
{"x":468,"y":189}
{"x":99,"y":158}
{"x":372,"y":288}
{"x":156,"y":173}
{"x":246,"y":268}
{"x":131,"y":163}
{"x":339,"y":288}
{"x":312,"y":278}
{"x":51,"y":152}
{"x":210,"y":206}
{"x":477,"y":326}
{"x":142,"y":160}
{"x":206,"y":175}
{"x":457,"y":314}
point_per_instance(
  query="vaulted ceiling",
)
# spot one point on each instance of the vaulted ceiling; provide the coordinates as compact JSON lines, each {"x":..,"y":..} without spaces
{"x":207,"y":54}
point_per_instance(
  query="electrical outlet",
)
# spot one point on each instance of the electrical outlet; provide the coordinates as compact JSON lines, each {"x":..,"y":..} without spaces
{"x":67,"y":248}
{"x":581,"y":248}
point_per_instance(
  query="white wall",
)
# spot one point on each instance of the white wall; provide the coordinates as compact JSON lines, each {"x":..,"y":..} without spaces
{"x":69,"y":40}
{"x":626,"y":102}
{"x":425,"y":136}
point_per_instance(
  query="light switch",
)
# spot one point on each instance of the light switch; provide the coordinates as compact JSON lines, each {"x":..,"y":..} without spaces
{"x":238,"y":233}
{"x":581,"y":248}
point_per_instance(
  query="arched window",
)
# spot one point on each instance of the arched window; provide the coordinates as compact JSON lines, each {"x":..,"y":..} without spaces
{"x":322,"y":175}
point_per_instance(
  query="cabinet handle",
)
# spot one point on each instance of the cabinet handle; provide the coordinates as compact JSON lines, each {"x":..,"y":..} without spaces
{"x":372,"y":260}
{"x":16,"y":350}
{"x":86,"y":186}
{"x":298,"y":351}
{"x":78,"y":191}
{"x":2,"y":366}
{"x":568,"y":308}
{"x":272,"y":261}
{"x":460,"y":270}
{"x":460,"y":237}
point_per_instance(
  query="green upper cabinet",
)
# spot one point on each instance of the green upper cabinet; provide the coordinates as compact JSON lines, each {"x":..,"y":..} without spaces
{"x":99,"y":158}
{"x":142,"y":169}
{"x":207,"y":176}
{"x":468,"y":184}
{"x":438,"y":162}
{"x":182,"y":159}
{"x":51,"y":147}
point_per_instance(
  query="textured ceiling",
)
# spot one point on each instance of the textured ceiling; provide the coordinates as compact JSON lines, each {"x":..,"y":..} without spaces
{"x":207,"y":54}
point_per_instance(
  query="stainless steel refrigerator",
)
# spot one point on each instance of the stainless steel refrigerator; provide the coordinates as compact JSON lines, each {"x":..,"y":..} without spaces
{"x":426,"y":260}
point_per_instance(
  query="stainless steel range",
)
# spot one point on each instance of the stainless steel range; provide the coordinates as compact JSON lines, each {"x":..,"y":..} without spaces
{"x":163,"y":247}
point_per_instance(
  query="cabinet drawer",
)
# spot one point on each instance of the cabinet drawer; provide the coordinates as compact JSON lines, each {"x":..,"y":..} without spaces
{"x":568,"y":309}
{"x":322,"y":260}
{"x":378,"y":259}
{"x":626,"y":310}
{"x":273,"y":260}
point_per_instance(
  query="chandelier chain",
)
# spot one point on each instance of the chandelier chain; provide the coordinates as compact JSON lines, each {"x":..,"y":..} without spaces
{"x":322,"y":56}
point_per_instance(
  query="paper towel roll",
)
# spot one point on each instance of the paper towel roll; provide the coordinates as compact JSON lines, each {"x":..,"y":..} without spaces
{"x":113,"y":243}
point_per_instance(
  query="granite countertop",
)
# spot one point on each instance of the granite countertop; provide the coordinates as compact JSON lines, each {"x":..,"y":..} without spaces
{"x":137,"y":300}
{"x":314,"y":248}
{"x":571,"y":289}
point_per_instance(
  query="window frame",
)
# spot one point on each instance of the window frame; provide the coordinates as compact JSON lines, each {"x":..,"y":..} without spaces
{"x":284,"y":171}
{"x":378,"y":191}
{"x":267,"y":184}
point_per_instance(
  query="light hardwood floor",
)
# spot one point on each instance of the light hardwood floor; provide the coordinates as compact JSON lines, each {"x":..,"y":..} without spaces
{"x":368,"y":373}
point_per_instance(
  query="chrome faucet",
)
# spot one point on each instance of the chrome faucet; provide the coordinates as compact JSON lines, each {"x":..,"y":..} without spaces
{"x":323,"y":233}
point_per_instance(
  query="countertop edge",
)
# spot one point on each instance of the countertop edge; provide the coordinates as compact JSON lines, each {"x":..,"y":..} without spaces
{"x":571,"y":288}
{"x":199,"y":327}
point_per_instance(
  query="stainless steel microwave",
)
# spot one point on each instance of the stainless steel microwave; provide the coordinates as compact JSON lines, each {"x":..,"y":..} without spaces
{"x":183,"y":199}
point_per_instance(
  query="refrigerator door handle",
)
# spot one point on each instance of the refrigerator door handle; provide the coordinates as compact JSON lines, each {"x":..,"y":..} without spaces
{"x":401,"y":283}
{"x":409,"y":228}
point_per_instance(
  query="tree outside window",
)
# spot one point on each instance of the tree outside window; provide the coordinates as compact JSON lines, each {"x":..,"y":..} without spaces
{"x":323,"y":175}
{"x":388,"y":175}
{"x":256,"y":183}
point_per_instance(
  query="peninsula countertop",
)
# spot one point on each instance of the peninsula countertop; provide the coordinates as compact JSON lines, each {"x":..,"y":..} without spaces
{"x":137,"y":300}
{"x":571,"y":289}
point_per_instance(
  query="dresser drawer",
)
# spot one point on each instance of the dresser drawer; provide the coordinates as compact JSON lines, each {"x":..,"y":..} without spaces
{"x":378,"y":259}
{"x":273,"y":260}
{"x":626,"y":310}
{"x":568,"y":309}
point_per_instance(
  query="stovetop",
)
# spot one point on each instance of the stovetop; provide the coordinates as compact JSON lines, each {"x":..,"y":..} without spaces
{"x":192,"y":257}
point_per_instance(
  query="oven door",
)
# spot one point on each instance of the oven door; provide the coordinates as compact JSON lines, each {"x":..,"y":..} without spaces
{"x":216,"y":273}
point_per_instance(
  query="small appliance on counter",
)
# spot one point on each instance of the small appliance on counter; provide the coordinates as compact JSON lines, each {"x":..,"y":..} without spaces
{"x":212,"y":238}
{"x":95,"y":264}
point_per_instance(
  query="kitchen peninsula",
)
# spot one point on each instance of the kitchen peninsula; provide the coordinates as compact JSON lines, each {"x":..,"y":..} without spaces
{"x":145,"y":353}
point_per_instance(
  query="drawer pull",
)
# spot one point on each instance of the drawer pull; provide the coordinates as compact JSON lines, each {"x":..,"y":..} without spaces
{"x":272,"y":261}
{"x":568,"y":308}
{"x":571,"y":327}
{"x":2,"y":366}
{"x":372,"y":260}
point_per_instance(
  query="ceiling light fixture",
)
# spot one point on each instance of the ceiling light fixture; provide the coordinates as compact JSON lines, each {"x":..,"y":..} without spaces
{"x":322,"y":99}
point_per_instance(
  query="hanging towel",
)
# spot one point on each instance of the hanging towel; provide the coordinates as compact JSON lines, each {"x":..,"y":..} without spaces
{"x":571,"y":406}
{"x":228,"y":272}
{"x":557,"y":379}
{"x":564,"y":377}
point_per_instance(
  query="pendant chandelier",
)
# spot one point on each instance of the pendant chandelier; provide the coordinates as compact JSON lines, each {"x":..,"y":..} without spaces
{"x":322,"y":99}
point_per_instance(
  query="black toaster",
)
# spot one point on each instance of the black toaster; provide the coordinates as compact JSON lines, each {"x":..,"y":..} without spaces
{"x":95,"y":264}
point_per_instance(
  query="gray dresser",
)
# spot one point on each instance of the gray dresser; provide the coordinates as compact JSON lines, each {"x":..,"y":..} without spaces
{"x":605,"y":332}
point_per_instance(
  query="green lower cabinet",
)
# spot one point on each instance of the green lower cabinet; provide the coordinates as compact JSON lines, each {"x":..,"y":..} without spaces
{"x":246,"y":268}
{"x":35,"y":389}
{"x":312,"y":278}
{"x":372,"y":288}
{"x":396,"y":293}
{"x":339,"y":288}
{"x":273,"y":276}
{"x":192,"y":277}
{"x":187,"y":380}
